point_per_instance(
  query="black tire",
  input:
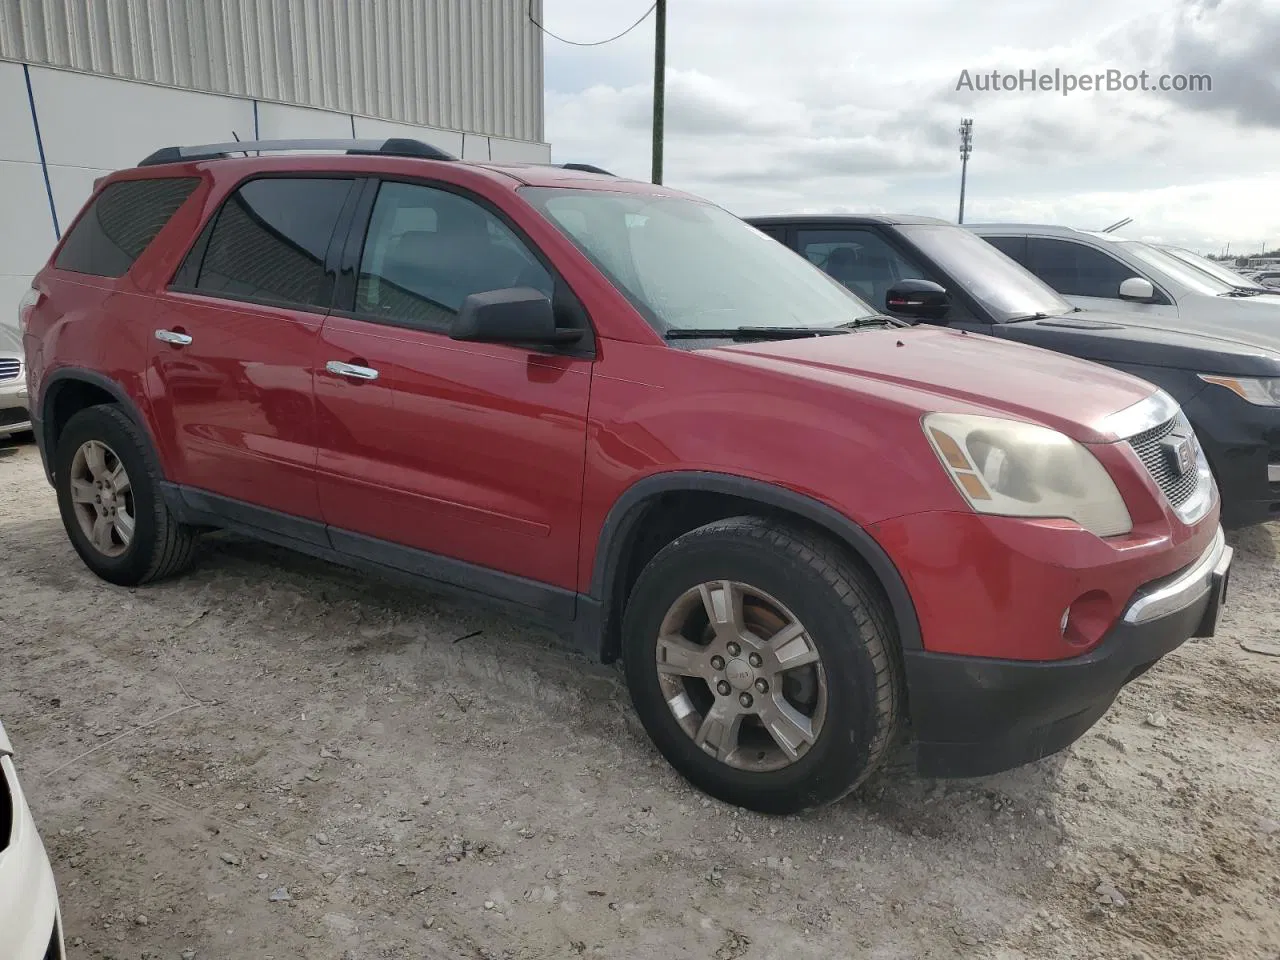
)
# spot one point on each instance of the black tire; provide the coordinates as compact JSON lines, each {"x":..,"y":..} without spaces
{"x":842,"y":613}
{"x":160,"y":546}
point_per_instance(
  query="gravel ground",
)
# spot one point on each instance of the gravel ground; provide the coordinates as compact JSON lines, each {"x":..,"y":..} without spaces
{"x":274,"y":758}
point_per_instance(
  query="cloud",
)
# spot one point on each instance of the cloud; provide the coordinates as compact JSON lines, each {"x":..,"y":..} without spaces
{"x":832,"y":105}
{"x":1237,"y":43}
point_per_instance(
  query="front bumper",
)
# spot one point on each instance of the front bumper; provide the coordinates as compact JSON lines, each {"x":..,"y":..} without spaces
{"x":30,"y":921}
{"x":974,"y":716}
{"x":15,"y":415}
{"x":1242,"y":443}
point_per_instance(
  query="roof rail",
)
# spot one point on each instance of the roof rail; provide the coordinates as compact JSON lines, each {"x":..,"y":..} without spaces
{"x":586,"y":167}
{"x":392,"y":147}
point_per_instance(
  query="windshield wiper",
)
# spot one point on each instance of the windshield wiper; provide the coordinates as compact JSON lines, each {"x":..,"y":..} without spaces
{"x":1243,"y":292}
{"x":1031,"y":316}
{"x":874,"y":320}
{"x":750,"y":333}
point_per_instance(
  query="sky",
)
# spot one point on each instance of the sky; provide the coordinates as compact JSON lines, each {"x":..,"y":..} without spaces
{"x":808,"y":106}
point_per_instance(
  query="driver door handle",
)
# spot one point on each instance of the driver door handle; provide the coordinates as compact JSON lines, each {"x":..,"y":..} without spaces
{"x":173,"y":337}
{"x":351,"y":370}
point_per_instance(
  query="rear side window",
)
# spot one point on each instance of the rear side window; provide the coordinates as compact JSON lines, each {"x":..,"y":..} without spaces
{"x":1075,"y":270}
{"x":269,"y":241}
{"x":123,"y":219}
{"x":1013,"y":247}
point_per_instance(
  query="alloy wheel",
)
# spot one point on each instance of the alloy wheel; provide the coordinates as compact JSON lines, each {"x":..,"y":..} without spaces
{"x":741,"y":676}
{"x":102,"y":496}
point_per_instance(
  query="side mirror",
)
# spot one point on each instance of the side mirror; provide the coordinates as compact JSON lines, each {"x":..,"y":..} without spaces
{"x":922,"y":299}
{"x":1137,"y":288}
{"x":516,"y":315}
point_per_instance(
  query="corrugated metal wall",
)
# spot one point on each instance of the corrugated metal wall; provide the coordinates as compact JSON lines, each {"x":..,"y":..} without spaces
{"x":471,"y":65}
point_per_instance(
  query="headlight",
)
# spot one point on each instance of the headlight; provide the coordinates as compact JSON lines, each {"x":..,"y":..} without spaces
{"x":1265,"y":392}
{"x":1015,"y":469}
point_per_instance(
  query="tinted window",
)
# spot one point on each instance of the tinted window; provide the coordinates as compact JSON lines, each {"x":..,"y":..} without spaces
{"x":1012,"y":247}
{"x":861,"y":260}
{"x":427,"y":250}
{"x":120,"y":224}
{"x":1076,"y":270}
{"x":269,"y":241}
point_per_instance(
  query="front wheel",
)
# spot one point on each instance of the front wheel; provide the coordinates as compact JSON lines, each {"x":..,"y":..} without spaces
{"x":760,"y":660}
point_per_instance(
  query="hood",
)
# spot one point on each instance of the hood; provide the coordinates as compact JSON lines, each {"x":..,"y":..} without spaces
{"x":1248,"y":320}
{"x":940,"y":370}
{"x":1116,"y":338}
{"x":10,"y":342}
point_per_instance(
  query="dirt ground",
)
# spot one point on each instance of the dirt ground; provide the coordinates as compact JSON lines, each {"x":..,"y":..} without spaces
{"x":275,"y":758}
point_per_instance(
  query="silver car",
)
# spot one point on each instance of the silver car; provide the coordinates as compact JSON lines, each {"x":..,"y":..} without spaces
{"x":1101,"y":271}
{"x":15,"y":417}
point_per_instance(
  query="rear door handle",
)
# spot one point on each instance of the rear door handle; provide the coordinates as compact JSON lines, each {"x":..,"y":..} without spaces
{"x":351,"y":370}
{"x":173,"y":337}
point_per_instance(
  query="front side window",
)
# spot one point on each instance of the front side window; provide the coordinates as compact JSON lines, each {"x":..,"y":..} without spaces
{"x":122,"y":221}
{"x":1076,"y":270}
{"x":685,"y":264}
{"x":269,"y":241}
{"x":427,"y":250}
{"x":860,"y":260}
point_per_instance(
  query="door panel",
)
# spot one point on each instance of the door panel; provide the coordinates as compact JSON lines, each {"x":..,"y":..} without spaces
{"x":467,"y":450}
{"x":234,"y":345}
{"x":237,"y":399}
{"x":471,"y":451}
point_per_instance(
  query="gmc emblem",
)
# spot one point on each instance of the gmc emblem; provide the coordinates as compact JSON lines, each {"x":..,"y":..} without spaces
{"x":1181,"y":452}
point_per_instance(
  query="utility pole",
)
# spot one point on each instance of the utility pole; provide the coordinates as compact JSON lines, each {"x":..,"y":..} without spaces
{"x":966,"y":148}
{"x":659,"y":84}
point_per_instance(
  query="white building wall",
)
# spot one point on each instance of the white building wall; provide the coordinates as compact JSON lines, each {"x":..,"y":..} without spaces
{"x":92,"y":125}
{"x":473,"y":65}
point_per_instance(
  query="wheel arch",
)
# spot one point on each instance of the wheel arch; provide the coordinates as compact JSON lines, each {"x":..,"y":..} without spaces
{"x":614,"y":567}
{"x":67,"y":391}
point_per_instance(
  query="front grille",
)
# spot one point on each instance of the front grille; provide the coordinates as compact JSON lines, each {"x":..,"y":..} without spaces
{"x":1155,"y":456}
{"x":14,"y":415}
{"x":9,"y":368}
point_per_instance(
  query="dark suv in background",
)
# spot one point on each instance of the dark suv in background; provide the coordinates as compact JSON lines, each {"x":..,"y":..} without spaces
{"x":933,"y":271}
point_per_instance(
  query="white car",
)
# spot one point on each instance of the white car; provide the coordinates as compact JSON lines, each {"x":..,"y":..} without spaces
{"x":1151,"y":286}
{"x":15,"y":417}
{"x":30,"y":919}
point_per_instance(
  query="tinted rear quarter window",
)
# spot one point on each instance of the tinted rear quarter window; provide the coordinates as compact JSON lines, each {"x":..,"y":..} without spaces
{"x":121,"y":222}
{"x":269,"y":241}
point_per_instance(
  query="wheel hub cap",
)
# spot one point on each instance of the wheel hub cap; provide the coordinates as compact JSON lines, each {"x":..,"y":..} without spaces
{"x":741,"y":676}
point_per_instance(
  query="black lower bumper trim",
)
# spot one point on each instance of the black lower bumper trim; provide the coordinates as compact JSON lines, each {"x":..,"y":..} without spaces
{"x":974,"y":716}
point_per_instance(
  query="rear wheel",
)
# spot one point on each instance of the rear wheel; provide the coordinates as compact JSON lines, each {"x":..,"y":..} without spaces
{"x":111,"y":503}
{"x":759,"y":659}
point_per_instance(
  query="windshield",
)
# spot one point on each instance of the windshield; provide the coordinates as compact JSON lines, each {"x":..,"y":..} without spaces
{"x":1000,"y":284}
{"x":1211,"y":267}
{"x":1177,"y":270}
{"x":685,"y":264}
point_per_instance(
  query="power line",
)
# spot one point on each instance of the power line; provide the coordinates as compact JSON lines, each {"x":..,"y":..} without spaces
{"x":595,"y":43}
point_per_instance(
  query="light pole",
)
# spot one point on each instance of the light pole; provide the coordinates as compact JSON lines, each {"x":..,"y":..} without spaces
{"x":659,"y":84}
{"x":966,"y":148}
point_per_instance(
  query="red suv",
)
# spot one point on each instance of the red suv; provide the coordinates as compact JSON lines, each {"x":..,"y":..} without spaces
{"x":801,"y":526}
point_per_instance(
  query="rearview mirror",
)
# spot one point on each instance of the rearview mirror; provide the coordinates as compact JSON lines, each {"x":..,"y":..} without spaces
{"x":515,"y":315}
{"x":1137,"y":288}
{"x":922,"y":299}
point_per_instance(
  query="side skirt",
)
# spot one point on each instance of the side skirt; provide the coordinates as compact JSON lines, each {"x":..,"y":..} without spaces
{"x":573,"y":615}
